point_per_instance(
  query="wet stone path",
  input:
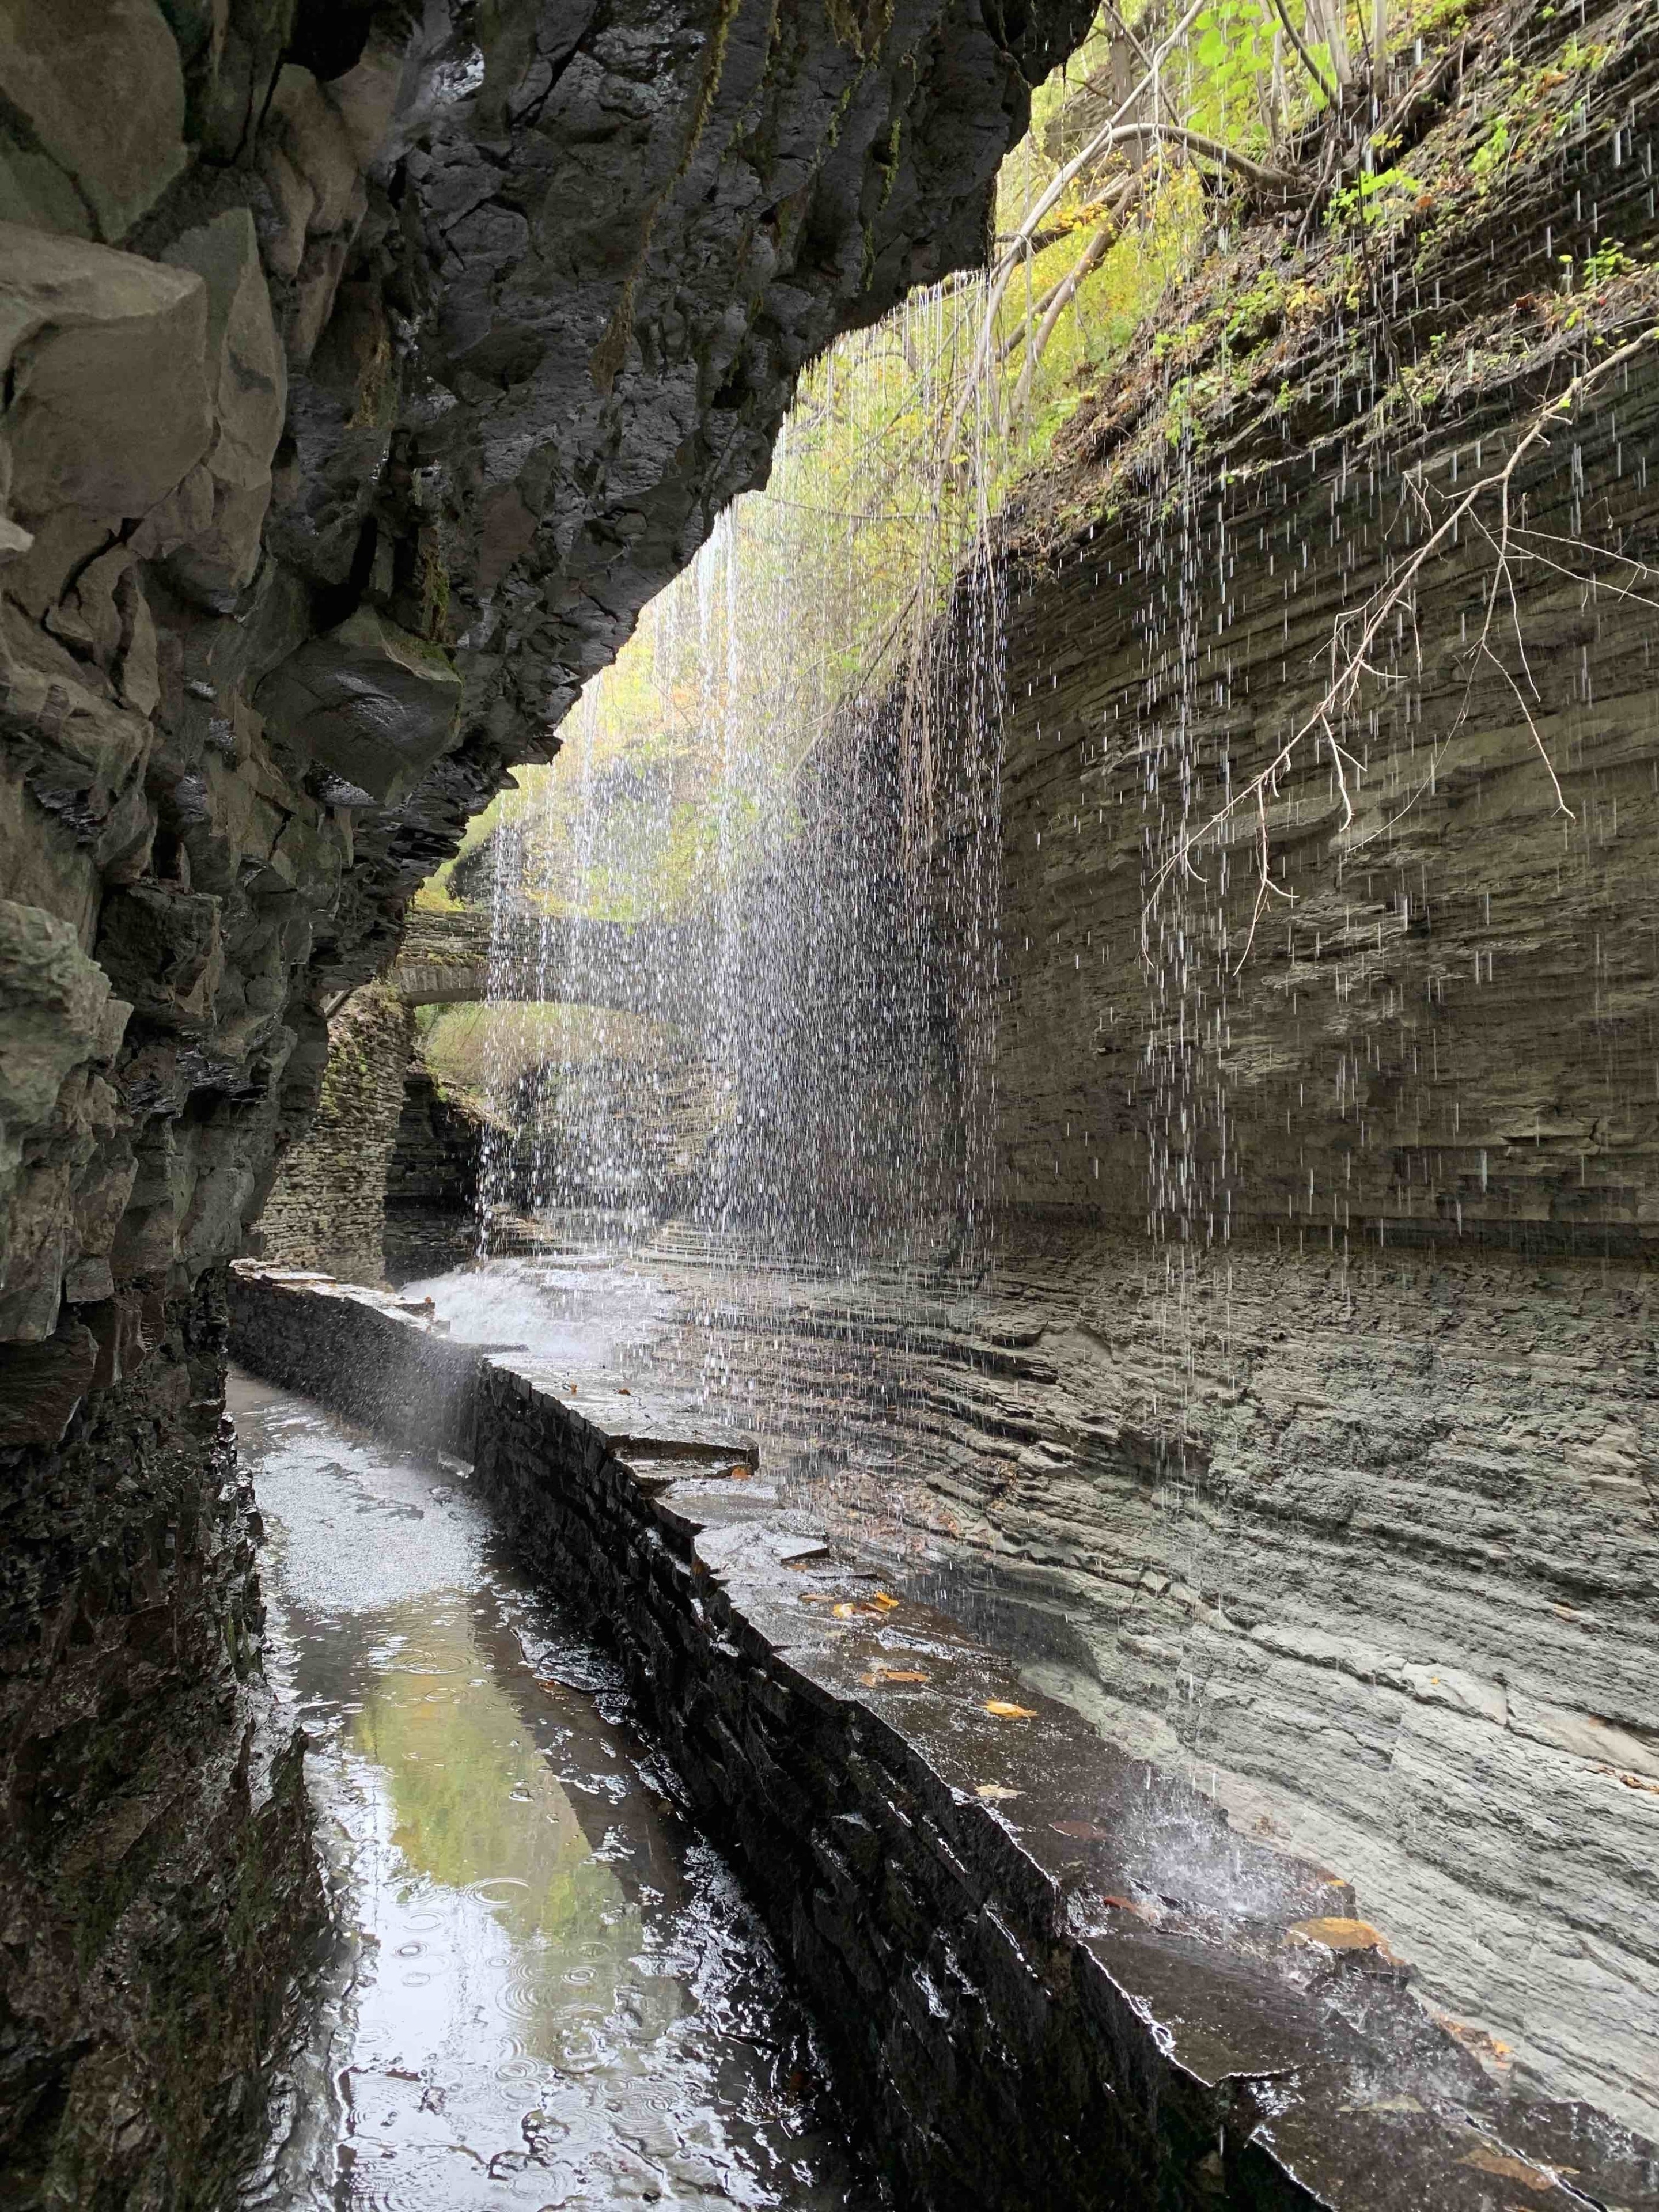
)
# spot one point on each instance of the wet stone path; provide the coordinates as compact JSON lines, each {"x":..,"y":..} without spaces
{"x":547,"y":1991}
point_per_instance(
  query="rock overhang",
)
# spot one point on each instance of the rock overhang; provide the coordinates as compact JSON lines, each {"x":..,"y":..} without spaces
{"x":352,"y":418}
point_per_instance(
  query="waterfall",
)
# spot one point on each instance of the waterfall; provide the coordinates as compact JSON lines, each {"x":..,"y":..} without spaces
{"x":743,"y":947}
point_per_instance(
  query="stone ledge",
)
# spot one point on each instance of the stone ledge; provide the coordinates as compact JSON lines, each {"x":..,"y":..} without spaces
{"x":1045,"y":1972}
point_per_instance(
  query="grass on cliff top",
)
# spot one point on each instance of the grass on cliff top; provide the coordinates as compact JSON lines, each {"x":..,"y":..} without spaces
{"x":1263,"y":314}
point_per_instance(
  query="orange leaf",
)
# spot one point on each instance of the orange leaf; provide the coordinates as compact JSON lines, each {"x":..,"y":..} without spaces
{"x":891,"y":1675}
{"x":886,"y":1603}
{"x":1498,"y":2163}
{"x":1344,"y":1935}
{"x":1005,"y":1712}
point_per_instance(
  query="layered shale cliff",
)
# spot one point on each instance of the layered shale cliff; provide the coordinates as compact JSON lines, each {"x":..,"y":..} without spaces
{"x":366,"y":368}
{"x":1329,"y":1123}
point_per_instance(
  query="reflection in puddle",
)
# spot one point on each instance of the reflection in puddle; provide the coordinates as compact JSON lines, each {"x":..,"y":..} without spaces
{"x":552,"y":1994}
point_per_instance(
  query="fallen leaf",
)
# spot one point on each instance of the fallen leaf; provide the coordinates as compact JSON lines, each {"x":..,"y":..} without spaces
{"x":1005,"y":1712}
{"x":1345,"y":1935}
{"x":741,"y":1472}
{"x":1084,"y":1831}
{"x":844,"y":1611}
{"x":621,"y":1392}
{"x":1128,"y":1904}
{"x":891,"y":1675}
{"x":1478,"y":2040}
{"x":1486,"y":2159}
{"x":887,"y":1604}
{"x":996,"y":1791}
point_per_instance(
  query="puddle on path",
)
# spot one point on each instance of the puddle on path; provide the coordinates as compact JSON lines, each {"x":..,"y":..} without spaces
{"x":550,"y":1993}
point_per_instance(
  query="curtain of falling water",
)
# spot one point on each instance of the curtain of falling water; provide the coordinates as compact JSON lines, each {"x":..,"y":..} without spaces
{"x":744,"y":958}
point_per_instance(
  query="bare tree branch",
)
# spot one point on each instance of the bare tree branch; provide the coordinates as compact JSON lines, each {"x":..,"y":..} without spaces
{"x":1351,"y":653}
{"x":1063,"y":294}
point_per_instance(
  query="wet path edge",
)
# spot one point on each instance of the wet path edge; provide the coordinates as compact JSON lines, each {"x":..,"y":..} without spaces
{"x":545,"y":1988}
{"x":1044,"y":1971}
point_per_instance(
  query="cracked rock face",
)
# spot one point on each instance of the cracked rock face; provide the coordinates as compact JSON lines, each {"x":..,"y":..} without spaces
{"x":367,"y":372}
{"x":366,"y":368}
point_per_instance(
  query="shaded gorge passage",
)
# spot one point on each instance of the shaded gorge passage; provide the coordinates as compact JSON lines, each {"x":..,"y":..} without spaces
{"x":544,"y":1989}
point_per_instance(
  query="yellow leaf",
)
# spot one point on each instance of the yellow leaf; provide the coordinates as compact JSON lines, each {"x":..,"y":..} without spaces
{"x":1005,"y":1712}
{"x":886,"y":1603}
{"x":891,"y":1675}
{"x":1505,"y":2168}
{"x":844,"y":1611}
{"x":1344,"y":1935}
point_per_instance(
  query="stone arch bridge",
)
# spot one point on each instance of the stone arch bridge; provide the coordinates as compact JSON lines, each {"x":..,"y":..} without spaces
{"x":654,"y":967}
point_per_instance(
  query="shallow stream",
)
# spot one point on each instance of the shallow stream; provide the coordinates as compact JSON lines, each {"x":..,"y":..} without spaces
{"x":546,"y":1990}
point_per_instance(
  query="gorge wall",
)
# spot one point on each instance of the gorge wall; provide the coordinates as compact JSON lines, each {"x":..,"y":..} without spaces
{"x":1331,"y":1474}
{"x":366,"y":368}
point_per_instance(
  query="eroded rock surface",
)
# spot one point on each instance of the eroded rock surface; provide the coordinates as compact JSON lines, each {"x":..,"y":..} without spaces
{"x":366,"y":368}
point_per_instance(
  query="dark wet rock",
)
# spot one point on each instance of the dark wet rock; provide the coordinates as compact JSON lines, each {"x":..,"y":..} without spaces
{"x":327,"y":1207}
{"x":435,"y":1162}
{"x":137,"y":1723}
{"x":370,"y":702}
{"x":364,"y":374}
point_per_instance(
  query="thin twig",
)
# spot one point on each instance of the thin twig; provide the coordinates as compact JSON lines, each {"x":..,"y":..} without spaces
{"x":1350,"y":663}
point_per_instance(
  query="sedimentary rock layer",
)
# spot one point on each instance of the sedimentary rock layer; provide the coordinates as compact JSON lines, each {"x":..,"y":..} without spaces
{"x":1328,"y":1139}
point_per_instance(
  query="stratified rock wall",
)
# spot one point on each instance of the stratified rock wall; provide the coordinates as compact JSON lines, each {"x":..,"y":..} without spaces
{"x":1333,"y":1203}
{"x":366,"y":367}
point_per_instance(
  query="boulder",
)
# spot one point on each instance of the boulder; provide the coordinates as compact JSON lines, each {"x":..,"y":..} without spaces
{"x":368,"y":701}
{"x":98,"y":90}
{"x":161,"y":947}
{"x":105,"y":354}
{"x":41,"y":1385}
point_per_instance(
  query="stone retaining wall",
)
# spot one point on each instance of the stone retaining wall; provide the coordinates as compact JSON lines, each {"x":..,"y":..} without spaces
{"x":369,"y":1355}
{"x":1045,"y":1972}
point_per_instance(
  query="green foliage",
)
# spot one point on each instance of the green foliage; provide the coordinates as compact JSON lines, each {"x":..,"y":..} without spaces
{"x":1374,"y":197}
